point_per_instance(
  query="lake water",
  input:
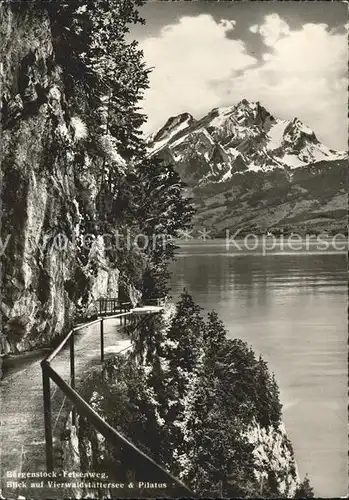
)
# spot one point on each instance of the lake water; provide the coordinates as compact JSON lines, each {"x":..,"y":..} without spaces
{"x":292,"y":308}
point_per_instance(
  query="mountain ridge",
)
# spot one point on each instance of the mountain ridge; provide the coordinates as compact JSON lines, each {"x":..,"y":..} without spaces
{"x":242,"y":152}
{"x":246,"y":130}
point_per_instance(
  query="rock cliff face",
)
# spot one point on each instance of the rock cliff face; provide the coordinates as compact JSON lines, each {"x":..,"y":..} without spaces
{"x":274,"y":459}
{"x":44,"y":196}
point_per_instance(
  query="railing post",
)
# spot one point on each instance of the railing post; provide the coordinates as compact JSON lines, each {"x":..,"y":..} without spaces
{"x":47,"y":418}
{"x":72,"y":372}
{"x":102,"y":340}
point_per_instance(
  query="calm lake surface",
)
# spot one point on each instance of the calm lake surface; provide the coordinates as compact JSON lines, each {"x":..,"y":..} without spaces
{"x":292,"y":308}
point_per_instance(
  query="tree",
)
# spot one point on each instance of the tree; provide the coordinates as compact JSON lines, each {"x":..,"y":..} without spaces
{"x":180,"y":357}
{"x":209,"y":390}
{"x":121,"y":395}
{"x":186,"y":335}
{"x":304,"y":489}
{"x":215,"y":333}
{"x":219,"y":457}
{"x":108,"y":73}
{"x":104,"y":77}
{"x":268,"y":402}
{"x":191,"y":401}
{"x":162,"y":211}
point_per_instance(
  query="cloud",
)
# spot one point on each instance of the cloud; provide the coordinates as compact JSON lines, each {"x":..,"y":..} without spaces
{"x":272,"y":29}
{"x":254,"y":28}
{"x":302,"y":72}
{"x":227,"y":25}
{"x":304,"y":75}
{"x":188,"y":57}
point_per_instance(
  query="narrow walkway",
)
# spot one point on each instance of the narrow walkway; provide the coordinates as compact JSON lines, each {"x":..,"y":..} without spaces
{"x":22,"y":445}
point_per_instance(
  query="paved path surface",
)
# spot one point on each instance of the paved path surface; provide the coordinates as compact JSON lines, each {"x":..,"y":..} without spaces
{"x":22,"y":445}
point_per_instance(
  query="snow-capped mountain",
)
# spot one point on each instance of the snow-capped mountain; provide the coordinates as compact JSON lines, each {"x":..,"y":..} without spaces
{"x":243,"y":137}
{"x":246,"y":169}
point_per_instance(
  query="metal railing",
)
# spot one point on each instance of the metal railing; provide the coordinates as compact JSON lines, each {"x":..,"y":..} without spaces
{"x":80,"y":406}
{"x":160,"y":302}
{"x":112,"y":305}
{"x":108,"y":306}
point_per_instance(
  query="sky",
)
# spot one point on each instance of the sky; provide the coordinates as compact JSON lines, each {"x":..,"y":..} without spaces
{"x":290,"y":56}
